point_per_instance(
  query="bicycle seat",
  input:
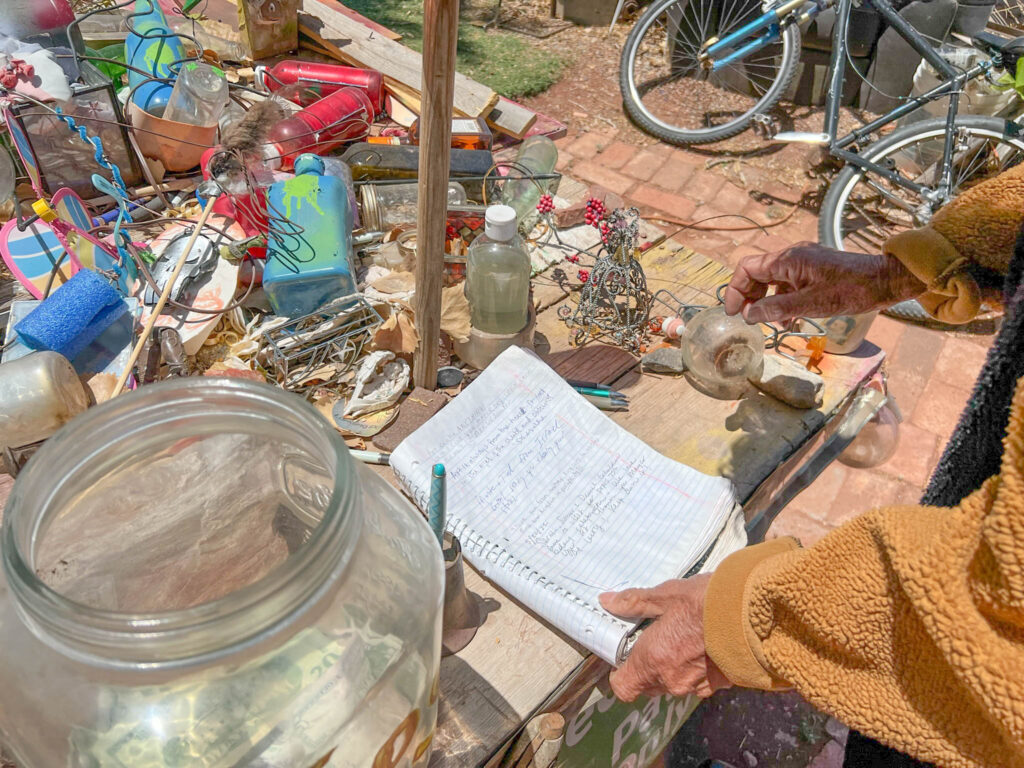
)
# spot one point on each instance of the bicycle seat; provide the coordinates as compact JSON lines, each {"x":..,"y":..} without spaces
{"x":1010,"y":49}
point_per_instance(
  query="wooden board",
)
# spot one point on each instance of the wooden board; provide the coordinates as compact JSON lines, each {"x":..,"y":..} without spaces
{"x":380,"y":29}
{"x":356,"y":44}
{"x":744,"y":440}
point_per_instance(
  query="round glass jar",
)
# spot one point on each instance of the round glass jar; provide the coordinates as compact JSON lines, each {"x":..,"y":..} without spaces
{"x":199,"y":574}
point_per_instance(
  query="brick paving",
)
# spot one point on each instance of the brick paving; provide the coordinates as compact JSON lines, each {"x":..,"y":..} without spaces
{"x":930,"y":372}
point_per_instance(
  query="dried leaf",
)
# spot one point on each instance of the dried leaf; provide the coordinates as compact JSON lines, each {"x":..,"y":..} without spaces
{"x":397,"y":334}
{"x":455,"y":313}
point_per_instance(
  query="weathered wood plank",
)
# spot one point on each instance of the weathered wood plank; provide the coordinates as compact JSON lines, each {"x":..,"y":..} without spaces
{"x":357,"y":44}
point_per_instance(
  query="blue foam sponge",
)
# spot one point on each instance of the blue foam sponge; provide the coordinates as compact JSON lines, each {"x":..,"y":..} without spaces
{"x":71,"y":318}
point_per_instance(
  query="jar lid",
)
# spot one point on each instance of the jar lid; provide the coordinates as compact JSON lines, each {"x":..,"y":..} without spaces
{"x":369,"y":206}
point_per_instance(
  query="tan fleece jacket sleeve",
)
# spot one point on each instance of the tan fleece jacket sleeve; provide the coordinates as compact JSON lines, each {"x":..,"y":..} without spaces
{"x":980,"y":226}
{"x":906,"y":623}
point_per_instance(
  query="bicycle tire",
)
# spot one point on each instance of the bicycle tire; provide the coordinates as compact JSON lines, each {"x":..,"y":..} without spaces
{"x":830,"y":231}
{"x":682,"y":136}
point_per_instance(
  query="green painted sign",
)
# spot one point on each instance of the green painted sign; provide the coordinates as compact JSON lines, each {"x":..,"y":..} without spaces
{"x":608,"y":733}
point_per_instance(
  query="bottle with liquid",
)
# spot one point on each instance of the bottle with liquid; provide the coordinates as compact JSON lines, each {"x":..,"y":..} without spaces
{"x":151,"y":50}
{"x":309,"y":240}
{"x":321,"y":80}
{"x":343,"y":116}
{"x":385,"y":161}
{"x":200,"y":95}
{"x":467,"y":133}
{"x":537,"y":155}
{"x":498,"y":275}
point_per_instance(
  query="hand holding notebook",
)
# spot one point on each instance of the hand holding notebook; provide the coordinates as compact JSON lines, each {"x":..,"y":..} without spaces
{"x":556,"y":503}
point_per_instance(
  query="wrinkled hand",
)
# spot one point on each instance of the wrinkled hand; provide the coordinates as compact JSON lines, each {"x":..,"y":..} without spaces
{"x":669,"y":656}
{"x":811,"y":280}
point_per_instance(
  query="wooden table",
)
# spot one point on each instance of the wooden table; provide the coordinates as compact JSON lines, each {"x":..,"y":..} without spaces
{"x":496,"y":692}
{"x":517,"y":668}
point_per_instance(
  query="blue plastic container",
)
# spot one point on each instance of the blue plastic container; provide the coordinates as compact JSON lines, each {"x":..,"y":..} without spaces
{"x":309,"y":242}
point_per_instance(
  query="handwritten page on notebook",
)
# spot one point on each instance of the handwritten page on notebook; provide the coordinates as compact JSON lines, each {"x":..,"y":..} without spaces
{"x":555,"y":502}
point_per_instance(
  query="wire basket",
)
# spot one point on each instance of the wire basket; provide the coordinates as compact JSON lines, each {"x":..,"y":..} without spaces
{"x":319,"y":349}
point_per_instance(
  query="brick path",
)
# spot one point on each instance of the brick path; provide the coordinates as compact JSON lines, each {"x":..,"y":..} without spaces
{"x":931,"y":373}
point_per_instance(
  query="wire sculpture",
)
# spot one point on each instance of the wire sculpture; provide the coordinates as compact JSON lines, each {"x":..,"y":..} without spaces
{"x":614,"y":301}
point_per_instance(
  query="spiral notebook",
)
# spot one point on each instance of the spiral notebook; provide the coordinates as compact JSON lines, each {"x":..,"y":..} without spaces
{"x":556,"y":503}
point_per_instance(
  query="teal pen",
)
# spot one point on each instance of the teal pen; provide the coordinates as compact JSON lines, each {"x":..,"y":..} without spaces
{"x":437,"y":503}
{"x":611,"y":394}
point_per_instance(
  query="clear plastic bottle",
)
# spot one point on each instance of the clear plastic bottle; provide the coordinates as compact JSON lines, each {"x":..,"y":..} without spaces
{"x":200,"y":95}
{"x":198,"y":573}
{"x":498,"y":275}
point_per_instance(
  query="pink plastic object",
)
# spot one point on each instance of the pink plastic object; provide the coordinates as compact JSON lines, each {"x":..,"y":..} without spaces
{"x":343,"y":116}
{"x":320,"y":79}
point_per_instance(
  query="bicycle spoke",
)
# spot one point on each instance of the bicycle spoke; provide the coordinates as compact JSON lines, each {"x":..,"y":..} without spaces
{"x":671,"y":87}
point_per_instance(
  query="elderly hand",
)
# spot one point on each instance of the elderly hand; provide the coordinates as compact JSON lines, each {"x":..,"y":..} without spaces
{"x":811,"y":280}
{"x":669,"y":656}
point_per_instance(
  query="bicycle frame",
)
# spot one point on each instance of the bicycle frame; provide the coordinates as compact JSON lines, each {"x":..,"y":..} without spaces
{"x":737,"y":45}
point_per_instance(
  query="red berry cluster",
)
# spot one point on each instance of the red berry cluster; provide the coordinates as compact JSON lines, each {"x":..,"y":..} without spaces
{"x":595,"y":211}
{"x":451,"y":233}
{"x":546,"y":204}
{"x":583,"y":275}
{"x":573,"y":258}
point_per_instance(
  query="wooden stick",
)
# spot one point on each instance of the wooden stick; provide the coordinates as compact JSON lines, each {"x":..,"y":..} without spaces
{"x":440,"y":30}
{"x":163,"y":297}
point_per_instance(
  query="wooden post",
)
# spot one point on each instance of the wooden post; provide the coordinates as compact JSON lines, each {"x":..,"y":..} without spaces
{"x":440,"y":33}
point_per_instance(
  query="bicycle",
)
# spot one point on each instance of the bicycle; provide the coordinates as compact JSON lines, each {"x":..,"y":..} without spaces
{"x":730,"y":61}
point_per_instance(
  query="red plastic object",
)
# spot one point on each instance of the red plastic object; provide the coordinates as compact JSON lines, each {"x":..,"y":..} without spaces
{"x":343,"y":116}
{"x":320,"y":79}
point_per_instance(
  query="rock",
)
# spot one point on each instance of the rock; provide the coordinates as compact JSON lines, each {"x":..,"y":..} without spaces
{"x":663,"y":360}
{"x":749,"y":758}
{"x":837,"y":730}
{"x":573,"y":215}
{"x":790,"y":382}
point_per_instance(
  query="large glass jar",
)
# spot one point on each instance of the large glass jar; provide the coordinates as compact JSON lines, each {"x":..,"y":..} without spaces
{"x":198,"y":574}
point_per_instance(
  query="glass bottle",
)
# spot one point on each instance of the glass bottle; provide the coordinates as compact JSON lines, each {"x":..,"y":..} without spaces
{"x":198,"y":573}
{"x":386,"y":161}
{"x":200,"y":95}
{"x":152,"y":51}
{"x":309,"y":240}
{"x":386,"y":206}
{"x":498,"y":275}
{"x":321,"y":79}
{"x":467,"y":133}
{"x":343,"y":116}
{"x":537,"y":155}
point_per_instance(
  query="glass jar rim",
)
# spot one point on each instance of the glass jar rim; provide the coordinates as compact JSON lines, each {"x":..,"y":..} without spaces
{"x":221,"y":626}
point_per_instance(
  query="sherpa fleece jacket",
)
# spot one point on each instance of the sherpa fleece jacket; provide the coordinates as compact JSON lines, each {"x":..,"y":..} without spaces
{"x":907,"y":623}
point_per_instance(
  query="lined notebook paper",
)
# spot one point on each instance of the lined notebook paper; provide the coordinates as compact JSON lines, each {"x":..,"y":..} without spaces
{"x":556,"y":503}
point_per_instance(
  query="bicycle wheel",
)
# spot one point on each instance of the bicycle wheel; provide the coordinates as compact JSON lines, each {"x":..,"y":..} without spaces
{"x":862,"y":210}
{"x":667,"y":92}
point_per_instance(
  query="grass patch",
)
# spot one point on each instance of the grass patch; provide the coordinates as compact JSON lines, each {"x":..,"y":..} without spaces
{"x":500,"y":60}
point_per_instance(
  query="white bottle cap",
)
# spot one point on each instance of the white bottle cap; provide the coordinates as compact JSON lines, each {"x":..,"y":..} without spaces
{"x":500,"y":222}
